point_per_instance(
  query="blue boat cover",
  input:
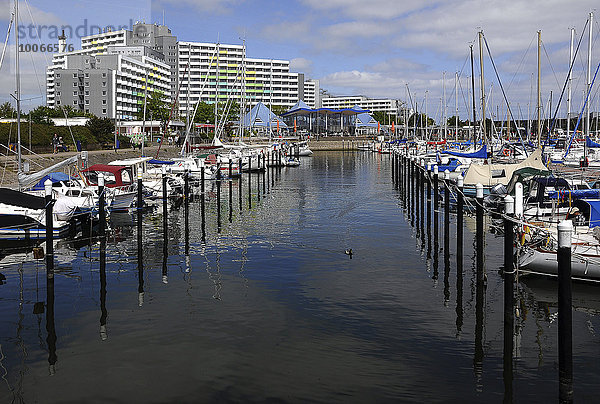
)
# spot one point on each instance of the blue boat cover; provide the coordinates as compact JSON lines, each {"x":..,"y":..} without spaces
{"x":54,"y":177}
{"x":451,"y":166}
{"x":155,"y":161}
{"x":594,"y":212}
{"x":479,"y":154}
{"x":590,"y":143}
{"x":574,"y":194}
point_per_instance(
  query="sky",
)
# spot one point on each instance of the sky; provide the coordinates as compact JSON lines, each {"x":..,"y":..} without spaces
{"x":408,"y":50}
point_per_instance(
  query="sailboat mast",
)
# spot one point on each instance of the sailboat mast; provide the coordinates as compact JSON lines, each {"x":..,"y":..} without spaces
{"x":426,"y":118}
{"x":539,"y":91}
{"x":473,"y":94}
{"x":483,"y":133}
{"x":18,"y":89}
{"x":243,"y":114}
{"x":569,"y":81}
{"x":144,"y":113}
{"x":589,"y":76}
{"x":445,"y":111}
{"x":216,"y":91}
{"x":456,"y":105}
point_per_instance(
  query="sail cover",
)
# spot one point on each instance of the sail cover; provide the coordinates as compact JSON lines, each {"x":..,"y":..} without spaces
{"x":479,"y":154}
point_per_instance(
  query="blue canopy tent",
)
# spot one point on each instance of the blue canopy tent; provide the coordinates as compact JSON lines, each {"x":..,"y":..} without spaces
{"x":317,"y":114}
{"x":260,"y":116}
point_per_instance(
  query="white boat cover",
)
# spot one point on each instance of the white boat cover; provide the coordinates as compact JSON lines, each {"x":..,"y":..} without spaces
{"x":491,"y":174}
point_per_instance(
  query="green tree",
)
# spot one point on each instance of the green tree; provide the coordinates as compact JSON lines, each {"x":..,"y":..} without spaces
{"x":7,"y":110}
{"x":279,"y":109}
{"x":157,"y":109}
{"x":453,"y":120}
{"x":101,"y":128}
{"x":420,"y":120}
{"x":205,"y":113}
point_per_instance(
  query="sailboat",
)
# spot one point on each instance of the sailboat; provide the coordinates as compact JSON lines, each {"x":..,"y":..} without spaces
{"x":22,"y":214}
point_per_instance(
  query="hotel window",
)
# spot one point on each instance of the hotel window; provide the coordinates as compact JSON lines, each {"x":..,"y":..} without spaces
{"x":75,"y":84}
{"x":103,"y":102}
{"x":75,"y":102}
{"x":104,"y":110}
{"x":103,"y":92}
{"x":74,"y":92}
{"x":74,"y":75}
{"x":104,"y":84}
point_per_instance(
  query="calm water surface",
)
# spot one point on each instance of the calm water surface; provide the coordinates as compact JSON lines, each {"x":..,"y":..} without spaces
{"x":268,"y":307}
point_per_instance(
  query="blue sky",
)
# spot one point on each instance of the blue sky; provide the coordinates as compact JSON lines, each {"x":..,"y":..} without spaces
{"x":375,"y":48}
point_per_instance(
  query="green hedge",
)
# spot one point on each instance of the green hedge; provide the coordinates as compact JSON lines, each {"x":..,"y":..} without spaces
{"x":41,"y":136}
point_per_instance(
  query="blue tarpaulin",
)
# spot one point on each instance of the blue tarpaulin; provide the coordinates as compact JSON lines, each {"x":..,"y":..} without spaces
{"x":479,"y":154}
{"x":54,"y":177}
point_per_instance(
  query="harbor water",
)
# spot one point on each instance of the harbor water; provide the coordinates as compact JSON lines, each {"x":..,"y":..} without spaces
{"x":312,"y":288}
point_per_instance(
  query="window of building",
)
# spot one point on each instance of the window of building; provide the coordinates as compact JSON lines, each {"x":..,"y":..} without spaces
{"x":103,"y":75}
{"x":104,"y":110}
{"x":75,"y":84}
{"x":103,"y":102}
{"x":75,"y":102}
{"x":74,"y":92}
{"x":57,"y":102}
{"x":103,"y":92}
{"x":87,"y":92}
{"x":74,"y":75}
{"x":58,"y":75}
{"x":104,"y":84}
{"x":58,"y":93}
{"x":58,"y":84}
{"x":87,"y":102}
{"x":87,"y":75}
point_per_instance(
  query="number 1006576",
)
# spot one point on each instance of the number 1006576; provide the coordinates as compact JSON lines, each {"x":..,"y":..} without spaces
{"x":33,"y":47}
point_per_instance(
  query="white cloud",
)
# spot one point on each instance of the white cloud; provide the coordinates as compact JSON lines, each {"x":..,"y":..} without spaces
{"x":211,"y":6}
{"x":377,"y":9}
{"x":33,"y":77}
{"x":301,"y":65}
{"x":285,"y":31}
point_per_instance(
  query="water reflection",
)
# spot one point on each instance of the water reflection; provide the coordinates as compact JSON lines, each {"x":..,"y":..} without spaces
{"x":50,"y":328}
{"x":140,"y":257}
{"x":279,"y":297}
{"x":104,"y":315}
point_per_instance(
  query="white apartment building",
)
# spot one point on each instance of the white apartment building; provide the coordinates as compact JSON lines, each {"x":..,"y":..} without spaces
{"x":266,"y":80}
{"x":112,"y":71}
{"x":108,"y":85}
{"x":312,"y":94}
{"x":387,"y":105}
